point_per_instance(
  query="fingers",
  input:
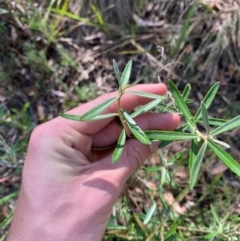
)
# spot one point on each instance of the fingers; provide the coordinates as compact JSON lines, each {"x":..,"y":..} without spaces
{"x":128,"y":102}
{"x":133,"y":156}
{"x":150,"y":121}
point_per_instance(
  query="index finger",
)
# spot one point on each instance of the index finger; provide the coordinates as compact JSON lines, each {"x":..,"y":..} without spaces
{"x":128,"y":102}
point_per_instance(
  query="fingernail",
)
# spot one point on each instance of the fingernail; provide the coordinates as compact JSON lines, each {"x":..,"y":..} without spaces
{"x":154,"y":146}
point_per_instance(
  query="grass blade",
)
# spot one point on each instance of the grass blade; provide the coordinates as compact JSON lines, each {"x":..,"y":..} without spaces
{"x":169,"y":135}
{"x":193,"y":152}
{"x":84,"y":21}
{"x":120,"y":146}
{"x":147,"y":95}
{"x":116,"y":71}
{"x":136,"y":130}
{"x":186,"y":92}
{"x":177,"y":156}
{"x":93,"y":113}
{"x":179,"y":101}
{"x":150,"y":213}
{"x":214,"y":213}
{"x":145,"y":108}
{"x":126,"y":75}
{"x":225,"y":157}
{"x":207,"y":100}
{"x":196,"y":165}
{"x":229,"y":125}
{"x":205,"y":118}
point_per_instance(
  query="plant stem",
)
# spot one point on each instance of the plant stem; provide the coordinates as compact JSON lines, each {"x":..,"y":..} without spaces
{"x":202,"y":136}
{"x":120,"y":115}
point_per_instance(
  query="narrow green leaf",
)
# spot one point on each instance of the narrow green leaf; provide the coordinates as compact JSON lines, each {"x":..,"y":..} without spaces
{"x":152,"y":168}
{"x":213,"y":121}
{"x":225,"y":157}
{"x":193,"y":152}
{"x":145,"y":94}
{"x":221,"y":143}
{"x":120,"y":146}
{"x":229,"y":125}
{"x":205,"y":118}
{"x":211,"y":235}
{"x":173,"y":237}
{"x":169,"y":135}
{"x":207,"y":100}
{"x":79,"y":118}
{"x":126,"y":74}
{"x":179,"y":101}
{"x":163,"y":176}
{"x":150,"y":213}
{"x":91,"y":114}
{"x":136,"y":130}
{"x":116,"y":71}
{"x":166,"y":143}
{"x":196,"y":165}
{"x":145,"y":108}
{"x":116,"y":227}
{"x":104,"y":116}
{"x":214,"y":213}
{"x":186,"y":92}
{"x":177,"y":156}
{"x":166,"y":108}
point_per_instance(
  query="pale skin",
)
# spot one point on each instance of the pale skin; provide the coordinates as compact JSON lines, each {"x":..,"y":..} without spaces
{"x":68,"y":189}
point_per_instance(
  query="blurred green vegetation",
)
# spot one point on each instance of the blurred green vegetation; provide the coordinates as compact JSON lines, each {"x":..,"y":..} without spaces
{"x":57,"y":54}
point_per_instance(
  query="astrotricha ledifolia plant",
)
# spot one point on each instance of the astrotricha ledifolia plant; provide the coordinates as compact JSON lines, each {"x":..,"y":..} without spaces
{"x":173,"y":101}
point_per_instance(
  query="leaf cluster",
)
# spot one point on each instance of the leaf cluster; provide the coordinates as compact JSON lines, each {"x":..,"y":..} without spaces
{"x":174,"y":101}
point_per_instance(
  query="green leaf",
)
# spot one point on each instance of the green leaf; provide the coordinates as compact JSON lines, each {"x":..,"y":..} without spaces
{"x":225,"y":157}
{"x":211,"y":235}
{"x":145,"y":94}
{"x":104,"y":116}
{"x":207,"y":100}
{"x":169,"y":135}
{"x":166,"y":143}
{"x":93,"y":113}
{"x":166,"y":108}
{"x":150,"y":213}
{"x":229,"y":125}
{"x":213,"y":121}
{"x":145,"y":108}
{"x":196,"y":165}
{"x":173,"y":237}
{"x":120,"y":146}
{"x":186,"y":92}
{"x":136,"y":130}
{"x":205,"y":118}
{"x":177,"y":156}
{"x":179,"y":101}
{"x":152,"y":168}
{"x":193,"y":152}
{"x":221,"y":143}
{"x":163,"y":176}
{"x":126,"y":75}
{"x":116,"y":71}
{"x":214,"y":213}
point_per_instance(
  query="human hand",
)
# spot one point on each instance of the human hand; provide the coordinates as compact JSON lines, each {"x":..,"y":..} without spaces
{"x":68,"y":187}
